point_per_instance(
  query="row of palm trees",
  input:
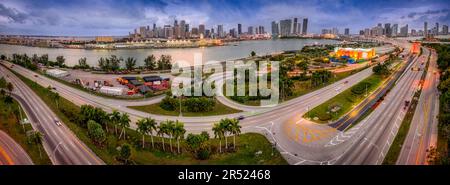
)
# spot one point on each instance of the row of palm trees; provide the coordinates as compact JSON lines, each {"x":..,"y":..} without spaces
{"x":172,"y":129}
{"x":224,"y":128}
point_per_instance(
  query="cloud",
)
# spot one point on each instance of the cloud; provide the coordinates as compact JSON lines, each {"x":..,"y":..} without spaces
{"x":12,"y":14}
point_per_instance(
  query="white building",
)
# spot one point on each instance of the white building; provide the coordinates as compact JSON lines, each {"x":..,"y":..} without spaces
{"x":57,"y":73}
{"x":112,"y":90}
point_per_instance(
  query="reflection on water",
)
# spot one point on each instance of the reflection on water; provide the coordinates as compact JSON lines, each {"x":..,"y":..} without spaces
{"x":228,"y":52}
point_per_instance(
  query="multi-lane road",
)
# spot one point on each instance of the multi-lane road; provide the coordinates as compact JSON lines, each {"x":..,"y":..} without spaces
{"x":422,"y":134}
{"x":62,"y":146}
{"x":11,"y":153}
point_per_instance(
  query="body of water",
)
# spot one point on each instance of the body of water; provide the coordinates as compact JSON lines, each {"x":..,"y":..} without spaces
{"x":221,"y":53}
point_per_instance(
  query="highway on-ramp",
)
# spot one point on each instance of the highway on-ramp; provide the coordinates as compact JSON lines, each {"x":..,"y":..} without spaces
{"x":11,"y":153}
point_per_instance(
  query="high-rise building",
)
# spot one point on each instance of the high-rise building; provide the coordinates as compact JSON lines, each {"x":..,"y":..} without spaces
{"x":294,"y":26}
{"x":305,"y":26}
{"x":394,"y":30}
{"x":444,"y":30}
{"x":261,"y":30}
{"x":299,"y":27}
{"x":437,"y":29}
{"x":361,"y":32}
{"x":367,"y":32}
{"x":285,"y":27}
{"x":250,"y":30}
{"x":387,"y":29}
{"x":425,"y":29}
{"x":239,"y":29}
{"x":404,"y":31}
{"x":201,"y":29}
{"x":275,"y":29}
{"x":413,"y":32}
{"x":220,"y":32}
{"x":335,"y":31}
{"x":347,"y":31}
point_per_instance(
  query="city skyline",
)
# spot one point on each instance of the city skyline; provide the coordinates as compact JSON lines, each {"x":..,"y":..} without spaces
{"x":119,"y":17}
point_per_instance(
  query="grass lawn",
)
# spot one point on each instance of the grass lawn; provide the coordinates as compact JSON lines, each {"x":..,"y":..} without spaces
{"x":219,"y":109}
{"x":346,"y":100}
{"x":9,"y":123}
{"x":304,"y":87}
{"x":247,"y":144}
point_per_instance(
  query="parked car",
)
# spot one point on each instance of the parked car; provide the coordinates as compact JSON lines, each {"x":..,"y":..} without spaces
{"x":241,"y":117}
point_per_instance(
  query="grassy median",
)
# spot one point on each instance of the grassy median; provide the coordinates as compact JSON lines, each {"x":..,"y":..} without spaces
{"x":251,"y":148}
{"x":219,"y":109}
{"x":345,"y":101}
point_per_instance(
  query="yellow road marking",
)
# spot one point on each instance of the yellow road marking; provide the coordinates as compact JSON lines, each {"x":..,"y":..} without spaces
{"x":4,"y":154}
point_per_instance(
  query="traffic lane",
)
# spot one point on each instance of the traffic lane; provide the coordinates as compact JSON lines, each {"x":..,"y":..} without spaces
{"x":11,"y":153}
{"x":71,"y":150}
{"x":364,"y":142}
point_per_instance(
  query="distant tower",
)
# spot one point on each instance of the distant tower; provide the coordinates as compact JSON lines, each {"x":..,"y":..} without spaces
{"x":305,"y":26}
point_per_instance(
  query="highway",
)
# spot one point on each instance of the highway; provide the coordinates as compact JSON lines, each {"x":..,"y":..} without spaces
{"x":299,"y":140}
{"x":62,"y":146}
{"x":11,"y":153}
{"x":422,"y":134}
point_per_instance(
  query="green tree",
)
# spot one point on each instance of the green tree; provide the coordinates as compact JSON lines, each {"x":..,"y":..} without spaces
{"x":165,"y":62}
{"x":60,"y":60}
{"x":125,"y":152}
{"x":143,"y":128}
{"x":36,"y":138}
{"x":124,"y":123}
{"x":114,"y":62}
{"x":114,"y":117}
{"x":218,"y":133}
{"x":235,"y":129}
{"x":162,"y":130}
{"x":10,"y":87}
{"x":130,"y":63}
{"x":178,"y":133}
{"x":197,"y":143}
{"x":253,"y":53}
{"x":96,"y":132}
{"x":150,"y":62}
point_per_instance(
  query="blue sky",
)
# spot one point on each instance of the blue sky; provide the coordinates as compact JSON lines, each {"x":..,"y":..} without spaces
{"x":118,"y":17}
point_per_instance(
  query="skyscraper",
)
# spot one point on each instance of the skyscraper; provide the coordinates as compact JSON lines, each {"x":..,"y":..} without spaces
{"x":394,"y":30}
{"x":275,"y":29}
{"x":285,"y":27}
{"x":239,"y":29}
{"x":347,"y":31}
{"x":201,"y":29}
{"x":444,"y":30}
{"x":437,"y":29}
{"x":425,"y":29}
{"x":294,"y":31}
{"x":220,"y":32}
{"x":387,"y":29}
{"x":305,"y":26}
{"x":404,"y":31}
{"x":250,"y":30}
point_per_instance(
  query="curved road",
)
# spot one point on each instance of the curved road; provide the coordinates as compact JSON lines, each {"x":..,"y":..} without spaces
{"x":11,"y":153}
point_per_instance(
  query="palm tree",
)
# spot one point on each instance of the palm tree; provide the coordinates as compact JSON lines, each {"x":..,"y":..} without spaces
{"x":162,"y":131}
{"x":115,"y":117}
{"x":218,"y":133}
{"x":170,"y":131}
{"x":36,"y":138}
{"x":179,"y":132}
{"x":56,"y":96}
{"x":235,"y":129}
{"x":151,"y":123}
{"x":124,"y":122}
{"x":150,"y":62}
{"x":225,"y":126}
{"x":130,"y":63}
{"x":143,"y":128}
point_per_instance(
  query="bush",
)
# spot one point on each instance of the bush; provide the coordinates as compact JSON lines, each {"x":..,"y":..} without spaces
{"x":360,"y":88}
{"x":201,"y":104}
{"x":203,"y":154}
{"x":169,"y":103}
{"x":324,"y":116}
